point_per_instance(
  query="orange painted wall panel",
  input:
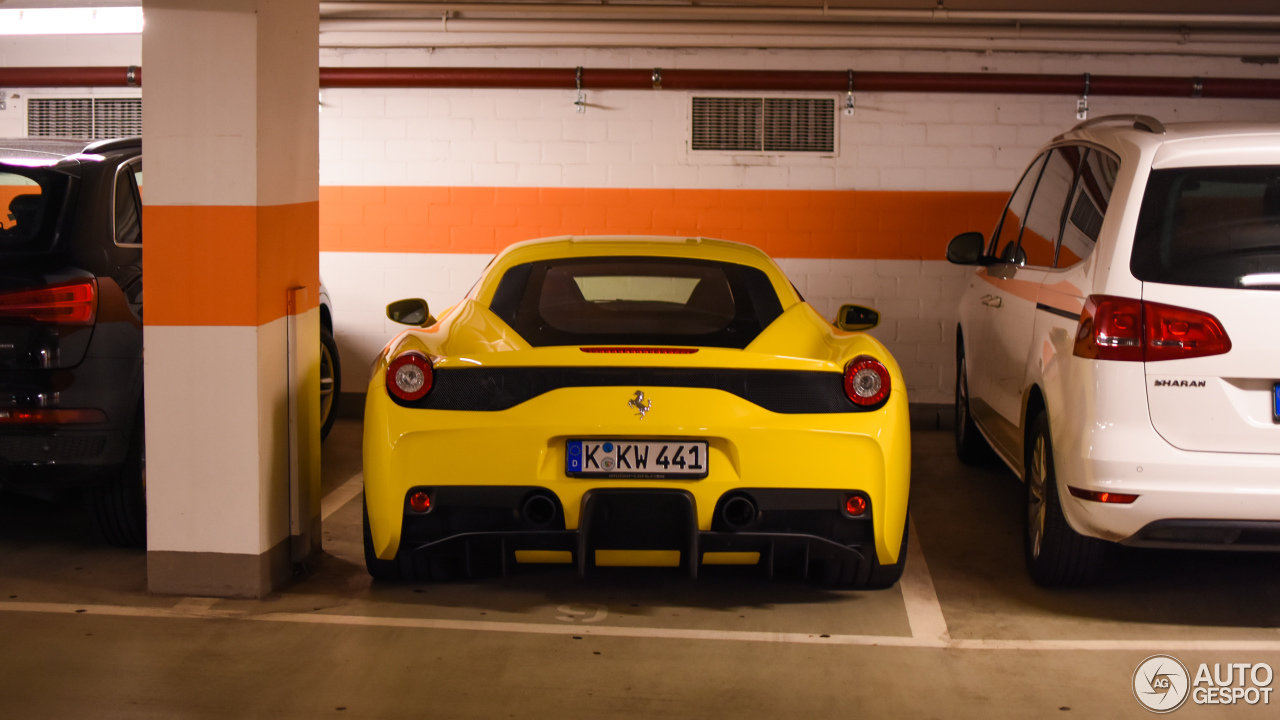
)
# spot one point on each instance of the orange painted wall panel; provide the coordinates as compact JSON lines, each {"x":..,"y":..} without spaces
{"x":784,"y":223}
{"x":228,"y":265}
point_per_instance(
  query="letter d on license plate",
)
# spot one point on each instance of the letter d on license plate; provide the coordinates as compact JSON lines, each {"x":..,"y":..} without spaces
{"x":645,"y":459}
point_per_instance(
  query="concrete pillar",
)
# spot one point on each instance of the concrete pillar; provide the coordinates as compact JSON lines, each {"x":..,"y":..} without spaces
{"x":231,"y":221}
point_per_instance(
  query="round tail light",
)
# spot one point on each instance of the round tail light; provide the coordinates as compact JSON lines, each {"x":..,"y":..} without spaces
{"x":409,"y":376}
{"x":420,"y":502}
{"x":855,"y":505}
{"x":866,"y":381}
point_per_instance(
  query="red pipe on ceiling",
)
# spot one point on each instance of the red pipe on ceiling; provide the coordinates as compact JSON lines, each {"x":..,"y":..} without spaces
{"x":130,"y":76}
{"x":680,"y":79}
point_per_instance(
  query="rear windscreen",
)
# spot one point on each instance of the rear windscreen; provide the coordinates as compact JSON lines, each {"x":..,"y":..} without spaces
{"x":1210,"y":227}
{"x":28,"y":207}
{"x":636,"y":301}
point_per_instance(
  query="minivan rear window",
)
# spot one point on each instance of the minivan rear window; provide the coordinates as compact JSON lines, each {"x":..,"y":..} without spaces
{"x":29,"y":198}
{"x":636,"y":301}
{"x":1210,"y":227}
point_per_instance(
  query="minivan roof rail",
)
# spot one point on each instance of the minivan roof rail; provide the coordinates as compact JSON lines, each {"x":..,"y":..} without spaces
{"x":1140,"y":122}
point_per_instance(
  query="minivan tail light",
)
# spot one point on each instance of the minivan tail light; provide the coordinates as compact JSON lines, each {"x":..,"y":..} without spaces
{"x":67,"y":304}
{"x":410,"y":376}
{"x":1118,"y":328}
{"x":1174,"y":333}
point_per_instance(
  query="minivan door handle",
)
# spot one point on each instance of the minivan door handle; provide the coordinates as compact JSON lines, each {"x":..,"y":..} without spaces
{"x":992,"y":301}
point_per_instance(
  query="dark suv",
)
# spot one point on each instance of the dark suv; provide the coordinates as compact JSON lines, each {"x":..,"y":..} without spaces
{"x":71,"y":325}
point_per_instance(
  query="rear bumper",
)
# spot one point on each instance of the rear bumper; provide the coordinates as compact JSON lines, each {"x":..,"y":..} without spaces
{"x":70,"y":454}
{"x":1185,"y":499}
{"x":748,"y":447}
{"x":489,"y":527}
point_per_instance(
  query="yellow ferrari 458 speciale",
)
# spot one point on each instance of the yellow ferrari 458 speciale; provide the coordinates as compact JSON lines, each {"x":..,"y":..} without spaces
{"x":636,"y":401}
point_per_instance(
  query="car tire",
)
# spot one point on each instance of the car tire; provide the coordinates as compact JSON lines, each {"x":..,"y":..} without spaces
{"x":380,"y":570}
{"x":1057,"y":555}
{"x":971,"y":446}
{"x":330,"y":381}
{"x":886,"y":576}
{"x":118,"y":506}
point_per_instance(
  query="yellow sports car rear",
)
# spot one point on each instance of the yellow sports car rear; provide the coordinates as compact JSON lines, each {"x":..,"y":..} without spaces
{"x":612,"y":400}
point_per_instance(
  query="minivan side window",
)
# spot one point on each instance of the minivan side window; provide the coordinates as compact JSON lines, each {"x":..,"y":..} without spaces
{"x":1004,"y":241}
{"x":1044,"y":218}
{"x":1089,"y":202}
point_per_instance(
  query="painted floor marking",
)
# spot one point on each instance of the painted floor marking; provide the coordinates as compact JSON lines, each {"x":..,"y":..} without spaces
{"x":196,"y":604}
{"x":924,"y":612}
{"x":188,"y":612}
{"x":341,"y":495}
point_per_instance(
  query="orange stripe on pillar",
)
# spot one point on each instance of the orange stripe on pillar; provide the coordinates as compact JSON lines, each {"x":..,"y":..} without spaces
{"x":784,"y":223}
{"x":228,"y":265}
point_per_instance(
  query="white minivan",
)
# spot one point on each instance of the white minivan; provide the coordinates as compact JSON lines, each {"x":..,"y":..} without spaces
{"x":1119,"y":342}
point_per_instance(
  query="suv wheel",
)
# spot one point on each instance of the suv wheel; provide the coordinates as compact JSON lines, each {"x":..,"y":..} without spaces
{"x":1056,"y":554}
{"x":119,"y":505}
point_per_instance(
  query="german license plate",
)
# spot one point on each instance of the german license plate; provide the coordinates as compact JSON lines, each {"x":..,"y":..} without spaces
{"x":1275,"y":402}
{"x":646,"y":459}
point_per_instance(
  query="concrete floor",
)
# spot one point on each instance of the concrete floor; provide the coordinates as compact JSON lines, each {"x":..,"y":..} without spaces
{"x":965,"y":634}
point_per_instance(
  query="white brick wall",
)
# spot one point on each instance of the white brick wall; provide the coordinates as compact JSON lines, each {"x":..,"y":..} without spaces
{"x":918,"y":142}
{"x":936,"y":142}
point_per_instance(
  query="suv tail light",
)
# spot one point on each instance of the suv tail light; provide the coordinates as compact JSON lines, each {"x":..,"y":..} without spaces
{"x":1116,"y":328}
{"x":68,"y":304}
{"x":409,"y":376}
{"x":866,"y":381}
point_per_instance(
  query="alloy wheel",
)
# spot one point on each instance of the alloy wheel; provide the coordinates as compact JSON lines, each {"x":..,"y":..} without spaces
{"x":1037,"y":474}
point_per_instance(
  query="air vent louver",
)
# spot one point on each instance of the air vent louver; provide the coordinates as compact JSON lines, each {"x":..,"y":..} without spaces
{"x":84,"y":118}
{"x":771,"y":125}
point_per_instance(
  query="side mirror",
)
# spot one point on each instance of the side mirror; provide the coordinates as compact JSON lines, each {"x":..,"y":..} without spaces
{"x":967,"y":249}
{"x":855,"y":318}
{"x":410,"y":312}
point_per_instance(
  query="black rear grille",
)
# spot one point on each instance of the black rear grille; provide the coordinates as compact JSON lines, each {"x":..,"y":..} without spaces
{"x":780,"y":391}
{"x":1210,"y":534}
{"x":44,"y":449}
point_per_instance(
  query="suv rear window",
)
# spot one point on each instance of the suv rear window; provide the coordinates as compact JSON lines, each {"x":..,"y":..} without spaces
{"x":29,"y":198}
{"x":636,"y":301}
{"x":1210,"y":227}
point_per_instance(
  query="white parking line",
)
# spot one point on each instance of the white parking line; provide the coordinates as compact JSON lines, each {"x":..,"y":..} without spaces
{"x":924,"y":612}
{"x":341,"y":495}
{"x":187,"y":612}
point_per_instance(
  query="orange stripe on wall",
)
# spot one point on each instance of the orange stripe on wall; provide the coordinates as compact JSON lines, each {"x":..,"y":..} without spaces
{"x":783,"y":223}
{"x":228,"y":265}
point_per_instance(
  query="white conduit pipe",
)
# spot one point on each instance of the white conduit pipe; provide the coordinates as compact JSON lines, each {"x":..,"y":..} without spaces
{"x":464,"y":32}
{"x":677,"y":11}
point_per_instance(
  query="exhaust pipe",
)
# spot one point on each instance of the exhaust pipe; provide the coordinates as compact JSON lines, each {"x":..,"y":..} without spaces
{"x":539,"y":510}
{"x":738,"y":512}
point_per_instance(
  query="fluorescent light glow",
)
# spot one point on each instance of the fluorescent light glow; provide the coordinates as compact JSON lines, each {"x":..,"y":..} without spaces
{"x":71,"y":21}
{"x":1260,"y":280}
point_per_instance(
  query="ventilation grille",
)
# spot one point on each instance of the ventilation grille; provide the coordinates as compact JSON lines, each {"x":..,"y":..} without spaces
{"x":84,"y":118}
{"x":779,"y":125}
